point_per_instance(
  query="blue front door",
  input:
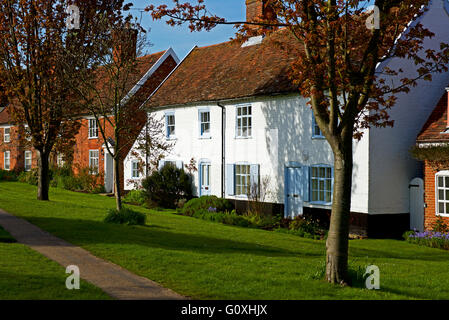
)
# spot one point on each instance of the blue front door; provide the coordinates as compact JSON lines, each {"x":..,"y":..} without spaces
{"x":205,"y":179}
{"x":294,"y":192}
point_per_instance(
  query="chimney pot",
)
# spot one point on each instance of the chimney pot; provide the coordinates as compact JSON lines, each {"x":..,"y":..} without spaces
{"x":258,"y":9}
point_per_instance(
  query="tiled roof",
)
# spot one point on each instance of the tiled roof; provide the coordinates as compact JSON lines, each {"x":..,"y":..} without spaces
{"x":229,"y":71}
{"x":436,"y":124}
{"x":5,"y":118}
{"x":144,"y":64}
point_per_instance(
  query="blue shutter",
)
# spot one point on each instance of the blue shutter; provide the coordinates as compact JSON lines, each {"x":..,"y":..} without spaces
{"x":230,"y":187}
{"x":306,"y":183}
{"x":179,"y":164}
{"x":254,"y":177}
{"x":161,"y":164}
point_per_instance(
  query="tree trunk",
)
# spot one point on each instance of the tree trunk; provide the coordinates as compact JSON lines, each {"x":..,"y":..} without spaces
{"x":118,"y":192}
{"x":43,"y":184}
{"x":338,"y":237}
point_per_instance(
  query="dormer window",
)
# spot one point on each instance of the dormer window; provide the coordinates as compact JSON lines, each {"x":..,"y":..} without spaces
{"x":93,"y":129}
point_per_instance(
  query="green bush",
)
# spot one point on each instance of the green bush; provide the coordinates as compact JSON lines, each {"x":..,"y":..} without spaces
{"x":30,"y":177}
{"x":125,"y":216}
{"x":8,"y":175}
{"x":208,"y":203}
{"x":307,"y":226}
{"x":135,"y":197}
{"x":166,"y":187}
{"x":227,"y":217}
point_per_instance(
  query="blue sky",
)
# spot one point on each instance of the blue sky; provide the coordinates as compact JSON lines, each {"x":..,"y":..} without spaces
{"x":180,"y":38}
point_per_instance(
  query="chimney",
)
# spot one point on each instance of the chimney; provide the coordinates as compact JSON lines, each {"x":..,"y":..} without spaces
{"x":447,"y":90}
{"x":259,"y":9}
{"x":125,"y":44}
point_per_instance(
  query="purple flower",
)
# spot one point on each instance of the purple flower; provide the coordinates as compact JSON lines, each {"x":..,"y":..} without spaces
{"x":212,"y":209}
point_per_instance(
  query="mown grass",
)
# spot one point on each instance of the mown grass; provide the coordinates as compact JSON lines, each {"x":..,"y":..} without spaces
{"x":26,"y":275}
{"x":206,"y":260}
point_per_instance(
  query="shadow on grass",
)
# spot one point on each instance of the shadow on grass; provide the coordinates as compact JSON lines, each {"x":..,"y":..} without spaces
{"x":86,"y":232}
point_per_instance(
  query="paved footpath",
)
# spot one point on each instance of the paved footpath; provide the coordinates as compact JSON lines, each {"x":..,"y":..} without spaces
{"x":119,"y":283}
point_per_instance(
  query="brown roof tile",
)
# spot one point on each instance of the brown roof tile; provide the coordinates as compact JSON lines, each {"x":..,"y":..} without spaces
{"x":436,"y":124}
{"x":228,"y":71}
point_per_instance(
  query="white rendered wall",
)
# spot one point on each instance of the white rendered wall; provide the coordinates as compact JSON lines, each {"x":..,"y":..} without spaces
{"x":391,"y":166}
{"x":282,"y":133}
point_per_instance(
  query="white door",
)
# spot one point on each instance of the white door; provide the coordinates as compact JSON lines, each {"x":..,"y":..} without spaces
{"x":108,"y":172}
{"x":205,"y":179}
{"x":294,"y":192}
{"x":417,"y":204}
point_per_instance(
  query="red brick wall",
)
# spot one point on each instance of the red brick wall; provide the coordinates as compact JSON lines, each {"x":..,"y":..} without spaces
{"x":429,"y":196}
{"x":17,"y":148}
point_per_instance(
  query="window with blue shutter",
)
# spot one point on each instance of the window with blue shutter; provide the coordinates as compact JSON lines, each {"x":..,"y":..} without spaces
{"x":321,"y":184}
{"x":230,"y":186}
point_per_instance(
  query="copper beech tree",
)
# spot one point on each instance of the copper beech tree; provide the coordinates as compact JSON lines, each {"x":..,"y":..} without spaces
{"x":40,"y":57}
{"x":337,"y":70}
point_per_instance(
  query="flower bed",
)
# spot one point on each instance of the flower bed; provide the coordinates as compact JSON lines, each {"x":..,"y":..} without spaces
{"x":431,"y":239}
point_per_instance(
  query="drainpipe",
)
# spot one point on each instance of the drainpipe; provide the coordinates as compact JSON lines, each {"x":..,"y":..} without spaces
{"x":223,"y":158}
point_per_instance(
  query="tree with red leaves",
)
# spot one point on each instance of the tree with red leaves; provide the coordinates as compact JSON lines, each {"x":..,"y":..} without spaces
{"x":42,"y":49}
{"x":338,"y":72}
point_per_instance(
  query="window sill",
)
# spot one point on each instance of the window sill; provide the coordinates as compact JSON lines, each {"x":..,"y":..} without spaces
{"x":205,"y":138}
{"x":92,"y":138}
{"x":171,"y":138}
{"x":318,"y":138}
{"x":442,"y":215}
{"x":319,"y":204}
{"x":243,"y":138}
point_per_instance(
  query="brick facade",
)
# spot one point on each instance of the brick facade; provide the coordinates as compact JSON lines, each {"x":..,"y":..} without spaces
{"x":17,"y":147}
{"x":134,"y":118}
{"x":430,"y":215}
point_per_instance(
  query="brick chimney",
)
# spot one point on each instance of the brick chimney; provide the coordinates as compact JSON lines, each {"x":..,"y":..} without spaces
{"x":125,"y":44}
{"x":258,"y":9}
{"x":447,"y":90}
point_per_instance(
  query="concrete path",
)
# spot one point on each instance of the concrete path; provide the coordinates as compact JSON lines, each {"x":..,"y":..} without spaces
{"x":112,"y":279}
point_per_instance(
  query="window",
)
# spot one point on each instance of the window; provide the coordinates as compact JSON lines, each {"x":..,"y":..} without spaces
{"x":135,"y":170}
{"x":205,"y":123}
{"x":242,"y":179}
{"x":93,"y":129}
{"x":28,"y":159}
{"x":170,"y":124}
{"x":321,"y":184}
{"x":93,"y":161}
{"x":442,"y":194}
{"x":7,"y":160}
{"x":27,"y":133}
{"x":316,"y":131}
{"x":60,"y":160}
{"x":244,"y":122}
{"x":7,"y":135}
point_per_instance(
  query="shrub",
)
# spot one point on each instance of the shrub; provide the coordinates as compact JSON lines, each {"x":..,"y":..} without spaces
{"x":263,"y":222}
{"x":205,"y":203}
{"x":440,"y":226}
{"x":135,"y":197}
{"x":30,"y":177}
{"x":166,"y":187}
{"x":125,"y":216}
{"x":230,"y":218}
{"x":428,"y":238}
{"x":8,"y":175}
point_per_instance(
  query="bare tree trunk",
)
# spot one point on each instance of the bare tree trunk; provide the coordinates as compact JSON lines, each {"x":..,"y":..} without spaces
{"x":43,"y":177}
{"x":338,"y":238}
{"x":118,"y":192}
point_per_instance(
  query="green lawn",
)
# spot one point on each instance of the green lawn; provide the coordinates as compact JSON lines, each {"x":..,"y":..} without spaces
{"x":26,"y":274}
{"x":208,"y":260}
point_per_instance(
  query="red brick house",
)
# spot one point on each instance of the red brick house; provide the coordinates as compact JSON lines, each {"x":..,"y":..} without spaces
{"x":90,"y":149}
{"x":432,"y":142}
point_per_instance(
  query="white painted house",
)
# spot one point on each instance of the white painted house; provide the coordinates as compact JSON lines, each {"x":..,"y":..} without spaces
{"x":233,"y":109}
